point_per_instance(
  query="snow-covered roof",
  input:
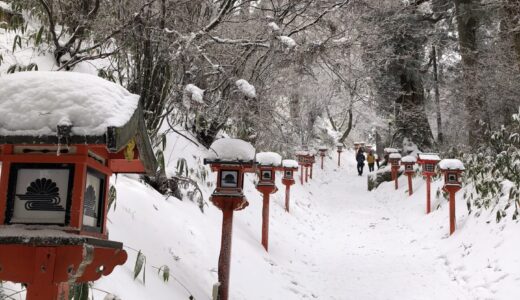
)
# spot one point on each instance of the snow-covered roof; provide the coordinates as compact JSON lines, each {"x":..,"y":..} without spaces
{"x":323,"y":148}
{"x":302,"y":153}
{"x":451,"y":164}
{"x":35,"y":103}
{"x":395,"y":156}
{"x":428,"y":156}
{"x":340,"y":145}
{"x":391,"y":150}
{"x":246,"y":88}
{"x":269,"y":159}
{"x":289,"y":163}
{"x":231,"y":150}
{"x":409,"y":159}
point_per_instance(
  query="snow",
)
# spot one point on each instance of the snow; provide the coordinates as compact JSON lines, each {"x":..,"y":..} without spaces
{"x":269,"y":159}
{"x":287,"y":41}
{"x":228,"y":149}
{"x":302,"y":153}
{"x":391,"y":150}
{"x":195,"y":93}
{"x":35,"y":103}
{"x":289,"y":163}
{"x":5,"y":6}
{"x":428,"y":156}
{"x":409,"y":159}
{"x":451,"y":164}
{"x":395,"y":156}
{"x":273,"y":26}
{"x":246,"y":88}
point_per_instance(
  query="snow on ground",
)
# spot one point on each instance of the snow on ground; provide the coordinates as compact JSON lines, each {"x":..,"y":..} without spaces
{"x":338,"y":242}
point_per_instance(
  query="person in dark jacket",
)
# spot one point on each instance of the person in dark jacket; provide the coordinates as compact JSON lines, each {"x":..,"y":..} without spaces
{"x":360,"y":157}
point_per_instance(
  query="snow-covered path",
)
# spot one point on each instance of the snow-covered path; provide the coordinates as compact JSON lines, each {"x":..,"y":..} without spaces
{"x":361,"y":249}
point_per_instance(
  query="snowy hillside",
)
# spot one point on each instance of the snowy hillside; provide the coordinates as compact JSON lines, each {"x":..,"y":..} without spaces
{"x":338,"y":242}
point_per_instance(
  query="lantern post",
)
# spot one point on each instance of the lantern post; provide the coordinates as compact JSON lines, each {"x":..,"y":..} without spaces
{"x":230,"y":159}
{"x":54,"y":186}
{"x":409,"y":162}
{"x":267,"y":165}
{"x":395,"y":159}
{"x":452,"y":170}
{"x":311,"y":160}
{"x":339,"y":149}
{"x":289,"y":166}
{"x":323,"y":152}
{"x":301,"y":156}
{"x":428,"y":161}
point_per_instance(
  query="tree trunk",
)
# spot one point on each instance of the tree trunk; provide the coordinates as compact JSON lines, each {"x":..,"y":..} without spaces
{"x":467,"y":23}
{"x":440,"y":138}
{"x":513,"y":21}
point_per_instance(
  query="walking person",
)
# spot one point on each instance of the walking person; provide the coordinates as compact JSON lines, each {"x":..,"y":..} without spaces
{"x":371,"y":160}
{"x":360,"y":157}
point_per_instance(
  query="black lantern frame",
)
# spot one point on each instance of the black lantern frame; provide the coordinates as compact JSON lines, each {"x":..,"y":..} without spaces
{"x":11,"y":195}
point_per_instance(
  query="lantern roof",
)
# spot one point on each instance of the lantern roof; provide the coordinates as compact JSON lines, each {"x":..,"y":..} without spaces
{"x":302,"y":153}
{"x":391,"y":150}
{"x":290,"y":163}
{"x":395,"y":156}
{"x":451,"y":164}
{"x":228,"y":150}
{"x":71,"y":108}
{"x":409,"y":159}
{"x":428,"y":156}
{"x":269,"y":159}
{"x":323,"y":148}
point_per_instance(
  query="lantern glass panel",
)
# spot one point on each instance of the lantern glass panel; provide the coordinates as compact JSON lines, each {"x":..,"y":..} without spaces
{"x":229,"y":179}
{"x":93,"y":200}
{"x":288,"y":174}
{"x":40,"y":193}
{"x":452,"y":178}
{"x":429,"y":168}
{"x":267,"y":175}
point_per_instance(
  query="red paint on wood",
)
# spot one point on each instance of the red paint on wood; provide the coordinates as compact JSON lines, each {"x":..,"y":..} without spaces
{"x":452,"y":212}
{"x":224,"y":260}
{"x":428,"y":194}
{"x":265,"y":221}
{"x":410,"y":188}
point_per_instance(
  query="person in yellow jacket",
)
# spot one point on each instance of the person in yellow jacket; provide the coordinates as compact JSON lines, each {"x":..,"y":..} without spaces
{"x":371,"y":160}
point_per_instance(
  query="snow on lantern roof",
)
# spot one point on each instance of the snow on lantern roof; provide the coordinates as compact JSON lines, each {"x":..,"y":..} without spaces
{"x":395,"y":156}
{"x":269,"y":159}
{"x":231,"y":150}
{"x":428,"y":156}
{"x":302,"y":153}
{"x":391,"y":150}
{"x":409,"y":159}
{"x":451,"y":164}
{"x":290,"y":163}
{"x":35,"y":103}
{"x":72,"y":108}
{"x":323,"y":148}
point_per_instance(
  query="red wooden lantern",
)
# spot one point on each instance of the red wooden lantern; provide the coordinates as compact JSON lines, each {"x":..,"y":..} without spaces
{"x":289,"y":167}
{"x":408,"y":163}
{"x":54,"y":186}
{"x":428,"y":161}
{"x":231,"y":159}
{"x":302,"y":157}
{"x":323,"y":152}
{"x":395,"y":159}
{"x":267,"y":165}
{"x":340,"y":149}
{"x":452,"y":170}
{"x":311,"y":160}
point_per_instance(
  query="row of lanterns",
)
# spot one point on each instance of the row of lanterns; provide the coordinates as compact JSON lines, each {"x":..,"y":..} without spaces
{"x":451,"y":169}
